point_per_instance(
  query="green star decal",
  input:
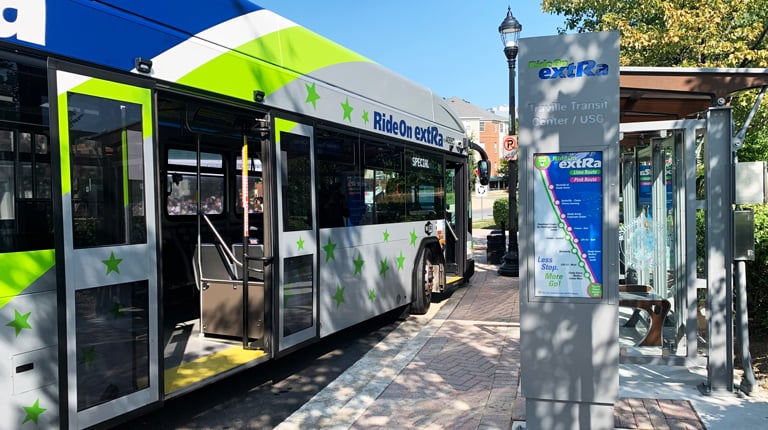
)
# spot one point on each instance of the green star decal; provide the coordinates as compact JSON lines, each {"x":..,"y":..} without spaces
{"x":112,"y":264}
{"x":33,"y":412}
{"x":383,"y":268}
{"x":400,"y":261}
{"x":358,"y":264}
{"x":413,"y":237}
{"x":19,"y":322}
{"x":347,"y":110}
{"x":365,"y":116}
{"x":117,"y":311}
{"x":312,"y":96}
{"x":371,"y":295}
{"x":339,"y":295}
{"x":89,"y":355}
{"x":300,"y":243}
{"x":386,"y":235}
{"x":329,"y":248}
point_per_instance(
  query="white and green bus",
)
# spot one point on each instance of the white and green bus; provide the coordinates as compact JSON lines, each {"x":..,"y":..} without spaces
{"x":191,"y":188}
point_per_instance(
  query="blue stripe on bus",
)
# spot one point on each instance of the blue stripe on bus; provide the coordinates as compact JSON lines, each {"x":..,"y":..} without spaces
{"x":91,"y":31}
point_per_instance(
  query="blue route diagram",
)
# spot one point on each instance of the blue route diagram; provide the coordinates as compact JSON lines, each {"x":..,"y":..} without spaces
{"x":568,"y":212}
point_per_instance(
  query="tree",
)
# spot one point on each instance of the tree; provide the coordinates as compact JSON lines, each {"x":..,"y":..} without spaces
{"x":685,"y":33}
{"x":503,"y":169}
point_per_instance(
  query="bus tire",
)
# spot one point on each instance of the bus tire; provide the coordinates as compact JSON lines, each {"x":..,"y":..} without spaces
{"x":427,"y":272}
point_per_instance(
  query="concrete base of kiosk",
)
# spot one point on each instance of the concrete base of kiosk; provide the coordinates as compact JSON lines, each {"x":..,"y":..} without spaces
{"x":558,"y":415}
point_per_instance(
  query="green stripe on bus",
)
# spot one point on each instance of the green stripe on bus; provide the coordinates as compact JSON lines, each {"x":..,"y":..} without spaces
{"x":295,"y":49}
{"x":22,"y":269}
{"x":124,"y":145}
{"x":283,"y":125}
{"x":122,"y":92}
{"x":66,"y":185}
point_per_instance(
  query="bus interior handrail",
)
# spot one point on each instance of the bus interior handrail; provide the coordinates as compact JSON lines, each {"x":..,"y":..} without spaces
{"x":227,"y":251}
{"x":230,"y":256}
{"x":451,"y":230}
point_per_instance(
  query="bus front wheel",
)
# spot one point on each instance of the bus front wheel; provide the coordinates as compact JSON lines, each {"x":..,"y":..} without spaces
{"x":427,"y":274}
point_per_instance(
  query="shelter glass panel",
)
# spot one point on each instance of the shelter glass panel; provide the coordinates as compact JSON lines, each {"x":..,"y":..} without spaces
{"x":653,"y":292}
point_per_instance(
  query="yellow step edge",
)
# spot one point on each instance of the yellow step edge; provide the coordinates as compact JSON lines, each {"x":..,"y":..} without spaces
{"x":453,"y":279}
{"x":208,"y":366}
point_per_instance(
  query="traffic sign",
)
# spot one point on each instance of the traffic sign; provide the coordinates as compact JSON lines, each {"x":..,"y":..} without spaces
{"x":510,"y":143}
{"x":481,"y":190}
{"x":509,"y":156}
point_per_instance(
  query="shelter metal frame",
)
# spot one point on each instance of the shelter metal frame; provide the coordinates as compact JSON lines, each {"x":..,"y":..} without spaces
{"x":651,"y":96}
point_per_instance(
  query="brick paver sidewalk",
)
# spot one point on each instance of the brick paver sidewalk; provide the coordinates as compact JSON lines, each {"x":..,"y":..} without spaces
{"x":466,"y":376}
{"x":456,"y":368}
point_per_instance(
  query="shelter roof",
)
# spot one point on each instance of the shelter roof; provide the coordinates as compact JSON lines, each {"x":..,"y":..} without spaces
{"x":668,"y":93}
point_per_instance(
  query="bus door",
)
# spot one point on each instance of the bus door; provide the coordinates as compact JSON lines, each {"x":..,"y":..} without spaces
{"x":296,"y":292}
{"x":456,"y":223}
{"x":109,"y":248}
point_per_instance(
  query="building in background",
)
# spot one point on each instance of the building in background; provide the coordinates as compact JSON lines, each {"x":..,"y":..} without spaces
{"x":487,"y":128}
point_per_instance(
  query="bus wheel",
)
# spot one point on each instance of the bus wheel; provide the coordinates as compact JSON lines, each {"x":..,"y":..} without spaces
{"x":427,"y":273}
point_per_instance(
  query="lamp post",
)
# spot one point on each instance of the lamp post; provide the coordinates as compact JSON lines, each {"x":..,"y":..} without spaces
{"x":510,"y":30}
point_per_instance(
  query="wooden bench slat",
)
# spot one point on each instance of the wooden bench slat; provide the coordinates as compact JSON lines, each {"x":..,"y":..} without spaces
{"x":640,"y":297}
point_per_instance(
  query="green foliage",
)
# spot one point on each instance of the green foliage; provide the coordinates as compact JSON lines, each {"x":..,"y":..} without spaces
{"x":701,"y":244}
{"x":756,"y":143}
{"x":757,"y":273}
{"x":501,"y":212}
{"x":690,"y":33}
{"x":503,"y":169}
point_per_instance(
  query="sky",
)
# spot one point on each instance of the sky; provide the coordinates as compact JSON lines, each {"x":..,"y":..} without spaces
{"x":449,"y":46}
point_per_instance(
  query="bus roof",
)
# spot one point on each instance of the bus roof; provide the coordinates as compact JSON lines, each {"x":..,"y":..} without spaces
{"x":233,"y":48}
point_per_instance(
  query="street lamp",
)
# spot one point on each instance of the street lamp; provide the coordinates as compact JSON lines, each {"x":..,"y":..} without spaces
{"x":510,"y":30}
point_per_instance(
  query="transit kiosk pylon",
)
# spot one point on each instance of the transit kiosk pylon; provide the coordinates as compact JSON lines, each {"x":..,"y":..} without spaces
{"x":569,"y":270}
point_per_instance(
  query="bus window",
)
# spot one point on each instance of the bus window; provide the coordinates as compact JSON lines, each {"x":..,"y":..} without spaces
{"x":106,"y":171}
{"x":42,"y":167}
{"x":26,"y":208}
{"x":6,"y":190}
{"x":384,"y":183}
{"x":7,"y":176}
{"x":255,"y":197}
{"x":340,"y":198}
{"x":424,"y":182}
{"x":255,"y":185}
{"x":386,"y":190}
{"x":182,"y":183}
{"x":297,"y":205}
{"x":34,"y":166}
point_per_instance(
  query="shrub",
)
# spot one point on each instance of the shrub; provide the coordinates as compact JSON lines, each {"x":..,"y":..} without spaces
{"x":757,"y":273}
{"x":501,"y":212}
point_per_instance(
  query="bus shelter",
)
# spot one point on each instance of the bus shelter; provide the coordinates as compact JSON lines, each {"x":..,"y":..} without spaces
{"x":678,"y":164}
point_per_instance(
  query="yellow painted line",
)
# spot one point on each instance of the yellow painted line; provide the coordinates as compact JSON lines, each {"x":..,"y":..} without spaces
{"x":453,"y":279}
{"x":208,"y":366}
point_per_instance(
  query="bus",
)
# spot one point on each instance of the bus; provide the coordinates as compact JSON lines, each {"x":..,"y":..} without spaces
{"x":189,"y":189}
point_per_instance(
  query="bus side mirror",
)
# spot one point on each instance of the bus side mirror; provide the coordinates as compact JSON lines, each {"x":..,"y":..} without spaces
{"x":484,"y":171}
